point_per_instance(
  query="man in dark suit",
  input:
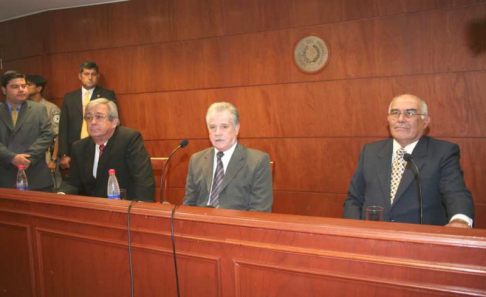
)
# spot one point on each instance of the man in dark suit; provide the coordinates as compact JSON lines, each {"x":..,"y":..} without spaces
{"x":228,"y":175}
{"x":25,"y":135}
{"x":72,"y":126}
{"x":109,"y":146}
{"x":446,"y":200}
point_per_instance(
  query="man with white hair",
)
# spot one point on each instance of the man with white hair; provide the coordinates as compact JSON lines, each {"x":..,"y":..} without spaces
{"x":384,"y":177}
{"x":109,"y":146}
{"x":228,"y":175}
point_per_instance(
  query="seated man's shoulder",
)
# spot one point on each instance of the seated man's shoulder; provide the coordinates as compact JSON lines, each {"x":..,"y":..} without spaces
{"x":379,"y":143}
{"x":128,"y":132}
{"x":438,"y":144}
{"x":256,"y":154}
{"x":203,"y":152}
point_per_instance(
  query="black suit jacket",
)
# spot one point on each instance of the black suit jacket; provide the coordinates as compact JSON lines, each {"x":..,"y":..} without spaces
{"x":72,"y":117}
{"x":443,"y":188}
{"x":126,"y":153}
{"x":32,"y":135}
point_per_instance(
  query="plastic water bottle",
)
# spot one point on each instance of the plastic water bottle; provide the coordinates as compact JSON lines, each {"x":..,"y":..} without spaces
{"x":113,"y":189}
{"x":22,"y":183}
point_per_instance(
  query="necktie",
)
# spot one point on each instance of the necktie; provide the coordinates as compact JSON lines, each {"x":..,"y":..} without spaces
{"x":217,"y":181}
{"x":397,"y":172}
{"x":84,"y":128}
{"x":102,"y":148}
{"x":14,"y":115}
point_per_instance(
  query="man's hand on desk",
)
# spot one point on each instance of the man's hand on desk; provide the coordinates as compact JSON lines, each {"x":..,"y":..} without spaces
{"x":458,"y":224}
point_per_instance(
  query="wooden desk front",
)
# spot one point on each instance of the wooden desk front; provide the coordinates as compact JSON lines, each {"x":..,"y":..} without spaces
{"x":54,"y":245}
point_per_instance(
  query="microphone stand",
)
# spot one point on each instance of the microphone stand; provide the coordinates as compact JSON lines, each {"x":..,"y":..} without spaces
{"x":182,"y":144}
{"x":408,"y":158}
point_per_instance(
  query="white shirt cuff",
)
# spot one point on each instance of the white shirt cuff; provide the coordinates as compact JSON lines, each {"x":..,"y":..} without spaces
{"x":464,"y":218}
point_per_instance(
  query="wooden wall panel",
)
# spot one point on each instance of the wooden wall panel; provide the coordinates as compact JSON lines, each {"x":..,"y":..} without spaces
{"x":168,"y":60}
{"x":32,"y":65}
{"x":139,"y":22}
{"x":133,"y":22}
{"x":392,"y":46}
{"x":350,"y":108}
{"x":308,"y":204}
{"x":23,"y":38}
{"x":16,"y":260}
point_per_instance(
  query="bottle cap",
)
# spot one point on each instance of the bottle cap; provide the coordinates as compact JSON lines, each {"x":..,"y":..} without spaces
{"x":21,"y":167}
{"x":111,"y":171}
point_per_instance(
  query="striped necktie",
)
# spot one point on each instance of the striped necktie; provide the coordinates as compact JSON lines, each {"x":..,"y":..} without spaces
{"x":217,"y":182}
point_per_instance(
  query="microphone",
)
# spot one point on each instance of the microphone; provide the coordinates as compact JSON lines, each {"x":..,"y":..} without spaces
{"x":408,"y":158}
{"x":182,"y":144}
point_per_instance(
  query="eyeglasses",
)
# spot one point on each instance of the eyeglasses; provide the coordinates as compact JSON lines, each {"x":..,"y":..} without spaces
{"x":408,"y":113}
{"x":99,"y":117}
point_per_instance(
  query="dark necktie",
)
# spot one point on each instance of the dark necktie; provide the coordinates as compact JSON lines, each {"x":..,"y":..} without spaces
{"x":102,"y":147}
{"x":217,"y":182}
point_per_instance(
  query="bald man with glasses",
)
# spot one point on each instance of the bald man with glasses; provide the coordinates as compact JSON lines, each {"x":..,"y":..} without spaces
{"x":384,"y":177}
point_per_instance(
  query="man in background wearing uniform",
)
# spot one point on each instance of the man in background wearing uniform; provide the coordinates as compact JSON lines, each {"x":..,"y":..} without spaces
{"x":36,"y":85}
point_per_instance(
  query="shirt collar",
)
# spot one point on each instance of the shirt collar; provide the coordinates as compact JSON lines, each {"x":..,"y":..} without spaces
{"x":228,"y":153}
{"x":409,"y":148}
{"x":18,"y":106}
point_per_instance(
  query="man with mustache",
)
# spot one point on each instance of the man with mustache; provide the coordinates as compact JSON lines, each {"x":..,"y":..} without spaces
{"x":109,"y":146}
{"x":228,"y":175}
{"x":446,"y":200}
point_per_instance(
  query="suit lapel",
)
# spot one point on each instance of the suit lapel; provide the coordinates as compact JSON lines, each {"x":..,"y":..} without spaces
{"x":78,"y":103}
{"x":418,"y":155}
{"x":208,"y":168}
{"x":103,"y":160}
{"x":23,"y":114}
{"x":5,"y":116}
{"x":90,"y":151}
{"x":383,"y":169}
{"x":236,"y":163}
{"x":96,"y":93}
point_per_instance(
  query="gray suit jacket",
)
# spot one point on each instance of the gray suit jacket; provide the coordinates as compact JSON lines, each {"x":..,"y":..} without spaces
{"x":443,"y":189}
{"x":247,"y":183}
{"x":32,"y":135}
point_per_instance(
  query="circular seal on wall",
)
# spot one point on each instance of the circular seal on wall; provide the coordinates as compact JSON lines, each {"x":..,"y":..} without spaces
{"x":311,"y":54}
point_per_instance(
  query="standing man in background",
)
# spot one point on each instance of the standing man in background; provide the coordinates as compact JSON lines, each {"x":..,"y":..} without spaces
{"x":36,"y":85}
{"x":383,"y":177}
{"x":72,"y":125}
{"x":25,"y":135}
{"x":228,"y":175}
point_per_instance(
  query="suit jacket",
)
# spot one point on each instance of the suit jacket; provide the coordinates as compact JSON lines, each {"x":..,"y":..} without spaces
{"x":32,"y":135}
{"x":72,"y":117}
{"x":443,"y":189}
{"x":125,"y":152}
{"x":247,"y":183}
